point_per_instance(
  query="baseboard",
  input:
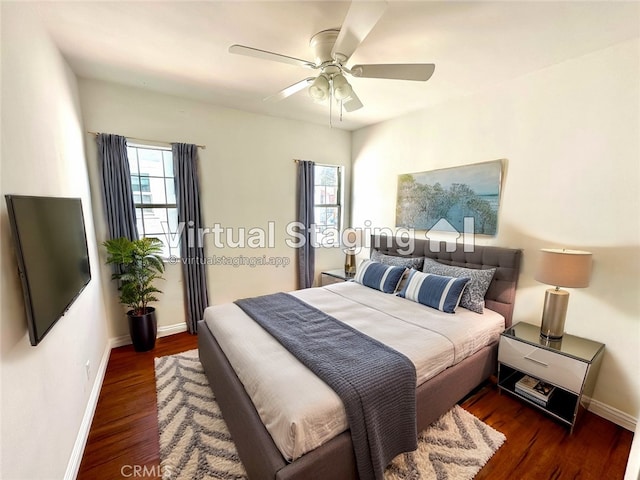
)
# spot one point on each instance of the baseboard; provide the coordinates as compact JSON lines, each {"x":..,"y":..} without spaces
{"x":85,"y":426}
{"x":120,"y":341}
{"x":613,"y":415}
{"x":163,"y":331}
{"x":172,"y":329}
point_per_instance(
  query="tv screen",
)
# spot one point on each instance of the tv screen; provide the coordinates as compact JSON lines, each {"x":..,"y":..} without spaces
{"x":53,"y":260}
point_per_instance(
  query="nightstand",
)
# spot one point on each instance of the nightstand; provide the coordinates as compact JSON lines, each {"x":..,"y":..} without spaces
{"x":571,"y":365}
{"x":334,"y":276}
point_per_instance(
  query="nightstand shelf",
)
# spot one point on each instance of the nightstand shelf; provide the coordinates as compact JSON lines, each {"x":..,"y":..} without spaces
{"x":562,"y":404}
{"x":570,"y":365}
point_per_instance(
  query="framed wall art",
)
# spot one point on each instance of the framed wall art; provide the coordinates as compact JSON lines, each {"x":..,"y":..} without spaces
{"x":451,"y":199}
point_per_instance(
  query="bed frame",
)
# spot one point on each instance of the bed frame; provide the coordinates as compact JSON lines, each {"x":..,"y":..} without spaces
{"x":335,"y":459}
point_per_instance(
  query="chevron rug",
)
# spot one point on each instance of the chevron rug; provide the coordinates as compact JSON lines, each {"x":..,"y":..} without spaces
{"x":195,"y":442}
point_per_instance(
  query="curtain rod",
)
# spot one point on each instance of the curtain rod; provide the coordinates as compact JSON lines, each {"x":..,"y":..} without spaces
{"x":95,"y":134}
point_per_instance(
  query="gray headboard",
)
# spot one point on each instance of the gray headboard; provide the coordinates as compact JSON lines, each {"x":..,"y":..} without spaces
{"x":502,"y":292}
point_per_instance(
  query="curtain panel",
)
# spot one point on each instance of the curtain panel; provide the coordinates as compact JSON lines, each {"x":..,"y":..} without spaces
{"x":185,"y":161}
{"x":117,"y":196}
{"x":305,"y":216}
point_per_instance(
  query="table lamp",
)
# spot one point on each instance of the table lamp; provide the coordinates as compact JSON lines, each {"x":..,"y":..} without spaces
{"x":351,"y":244}
{"x":560,"y":268}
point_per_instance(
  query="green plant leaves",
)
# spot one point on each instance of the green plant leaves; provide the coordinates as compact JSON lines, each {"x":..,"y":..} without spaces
{"x":138,"y":264}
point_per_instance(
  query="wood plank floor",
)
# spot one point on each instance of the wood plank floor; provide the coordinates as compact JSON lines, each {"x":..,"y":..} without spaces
{"x":123,"y":441}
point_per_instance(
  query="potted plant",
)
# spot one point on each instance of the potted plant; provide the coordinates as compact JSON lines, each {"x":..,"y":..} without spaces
{"x":137,"y":265}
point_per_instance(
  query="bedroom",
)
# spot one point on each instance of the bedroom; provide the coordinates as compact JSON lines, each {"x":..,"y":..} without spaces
{"x":566,"y":134}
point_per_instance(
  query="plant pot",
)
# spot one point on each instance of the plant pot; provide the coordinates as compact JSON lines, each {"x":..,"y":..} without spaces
{"x":143,"y":330}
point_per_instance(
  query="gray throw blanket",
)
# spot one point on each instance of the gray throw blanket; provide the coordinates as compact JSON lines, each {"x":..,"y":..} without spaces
{"x":376,"y":383}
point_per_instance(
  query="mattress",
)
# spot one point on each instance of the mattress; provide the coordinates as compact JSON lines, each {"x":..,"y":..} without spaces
{"x":298,"y":409}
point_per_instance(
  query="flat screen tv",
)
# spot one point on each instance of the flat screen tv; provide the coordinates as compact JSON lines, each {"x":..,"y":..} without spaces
{"x":53,"y":260}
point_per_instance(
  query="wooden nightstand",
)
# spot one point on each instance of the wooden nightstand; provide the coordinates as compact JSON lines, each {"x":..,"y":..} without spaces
{"x":571,"y":365}
{"x":334,"y":276}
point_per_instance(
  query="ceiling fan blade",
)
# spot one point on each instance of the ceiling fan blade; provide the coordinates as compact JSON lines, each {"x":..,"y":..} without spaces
{"x":395,"y":71}
{"x":290,"y":90}
{"x":353,"y":103}
{"x":360,"y":20}
{"x":264,"y":54}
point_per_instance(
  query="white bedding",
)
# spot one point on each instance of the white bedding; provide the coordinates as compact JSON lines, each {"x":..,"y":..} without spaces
{"x":298,"y":409}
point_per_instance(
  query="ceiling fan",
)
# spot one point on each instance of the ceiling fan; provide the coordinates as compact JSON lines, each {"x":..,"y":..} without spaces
{"x":332,"y":49}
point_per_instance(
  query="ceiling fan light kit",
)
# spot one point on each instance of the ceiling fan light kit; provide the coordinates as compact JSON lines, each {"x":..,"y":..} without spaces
{"x":341,"y":88}
{"x":331,"y":50}
{"x":319,"y":89}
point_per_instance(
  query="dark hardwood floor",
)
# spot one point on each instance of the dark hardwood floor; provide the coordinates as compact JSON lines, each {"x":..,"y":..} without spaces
{"x":538,"y":447}
{"x":123,"y":439}
{"x":124,"y":434}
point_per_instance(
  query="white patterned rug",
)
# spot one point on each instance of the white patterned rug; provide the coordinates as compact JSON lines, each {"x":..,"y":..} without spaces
{"x":195,"y":442}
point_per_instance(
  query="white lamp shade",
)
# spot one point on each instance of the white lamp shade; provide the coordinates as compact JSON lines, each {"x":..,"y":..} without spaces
{"x":341,"y":88}
{"x":319,"y":89}
{"x":564,"y":268}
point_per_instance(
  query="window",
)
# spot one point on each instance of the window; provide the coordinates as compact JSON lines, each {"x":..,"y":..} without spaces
{"x":327,"y":197}
{"x":154,"y":194}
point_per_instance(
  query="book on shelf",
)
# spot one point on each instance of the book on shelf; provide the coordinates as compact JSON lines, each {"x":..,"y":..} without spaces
{"x":536,"y":400}
{"x":534,"y":389}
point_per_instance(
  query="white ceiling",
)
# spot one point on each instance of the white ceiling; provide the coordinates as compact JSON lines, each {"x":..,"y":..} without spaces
{"x":181,"y":47}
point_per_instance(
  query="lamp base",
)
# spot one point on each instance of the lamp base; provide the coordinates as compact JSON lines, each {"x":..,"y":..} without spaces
{"x":350,"y":264}
{"x":554,"y":313}
{"x":551,"y":342}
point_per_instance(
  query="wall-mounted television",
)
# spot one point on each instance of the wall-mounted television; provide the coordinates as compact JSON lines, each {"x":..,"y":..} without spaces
{"x":53,"y":260}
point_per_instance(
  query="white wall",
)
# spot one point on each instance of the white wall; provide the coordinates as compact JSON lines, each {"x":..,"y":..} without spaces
{"x":570,"y":135}
{"x":247,"y":176}
{"x":44,"y":389}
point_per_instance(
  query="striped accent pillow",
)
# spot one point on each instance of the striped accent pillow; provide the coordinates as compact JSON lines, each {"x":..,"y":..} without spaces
{"x":435,"y":291}
{"x":381,"y":277}
{"x":473,"y":296}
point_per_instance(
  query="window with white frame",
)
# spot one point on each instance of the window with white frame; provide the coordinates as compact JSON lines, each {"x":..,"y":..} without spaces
{"x":327,"y":199}
{"x":154,"y":194}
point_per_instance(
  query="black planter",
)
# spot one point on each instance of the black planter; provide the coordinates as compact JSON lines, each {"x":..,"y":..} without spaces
{"x":143,"y":330}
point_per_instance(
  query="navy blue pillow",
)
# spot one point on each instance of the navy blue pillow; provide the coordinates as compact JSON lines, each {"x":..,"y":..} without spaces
{"x":434,"y":291}
{"x":381,"y":277}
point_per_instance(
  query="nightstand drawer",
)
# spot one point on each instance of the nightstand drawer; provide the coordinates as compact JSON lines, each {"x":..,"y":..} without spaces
{"x":556,"y":368}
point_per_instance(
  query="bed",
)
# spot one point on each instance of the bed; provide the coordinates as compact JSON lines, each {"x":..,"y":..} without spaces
{"x":263,"y":454}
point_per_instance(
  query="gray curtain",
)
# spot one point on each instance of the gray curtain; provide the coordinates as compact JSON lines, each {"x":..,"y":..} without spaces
{"x":185,"y":161}
{"x":116,"y":186}
{"x":306,"y":252}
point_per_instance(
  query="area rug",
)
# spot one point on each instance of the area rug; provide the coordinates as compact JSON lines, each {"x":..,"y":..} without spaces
{"x":195,"y":442}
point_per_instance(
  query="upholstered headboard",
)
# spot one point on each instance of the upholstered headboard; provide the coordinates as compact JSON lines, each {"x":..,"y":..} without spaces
{"x":502,"y":291}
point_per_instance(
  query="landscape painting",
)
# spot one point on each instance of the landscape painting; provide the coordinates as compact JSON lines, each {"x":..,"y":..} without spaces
{"x":442,"y":199}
